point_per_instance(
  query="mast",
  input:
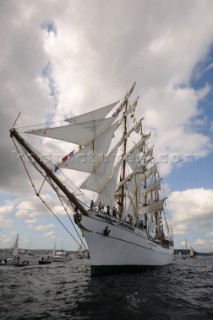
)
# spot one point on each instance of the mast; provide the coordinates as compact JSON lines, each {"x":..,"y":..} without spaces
{"x":124,"y":161}
{"x":14,"y":252}
{"x":53,"y":177}
{"x":145,"y":184}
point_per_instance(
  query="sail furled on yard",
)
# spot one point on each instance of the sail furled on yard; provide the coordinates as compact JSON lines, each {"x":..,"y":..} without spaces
{"x":153,"y":206}
{"x":152,"y":187}
{"x":144,"y":174}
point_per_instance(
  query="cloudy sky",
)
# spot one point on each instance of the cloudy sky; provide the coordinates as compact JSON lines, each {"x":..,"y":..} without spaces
{"x":61,"y":58}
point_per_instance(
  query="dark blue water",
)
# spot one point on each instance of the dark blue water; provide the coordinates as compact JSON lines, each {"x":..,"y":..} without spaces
{"x":67,"y":291}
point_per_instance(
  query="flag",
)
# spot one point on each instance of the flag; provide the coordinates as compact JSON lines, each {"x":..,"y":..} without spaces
{"x":116,"y":113}
{"x":65,"y":158}
{"x":133,"y":106}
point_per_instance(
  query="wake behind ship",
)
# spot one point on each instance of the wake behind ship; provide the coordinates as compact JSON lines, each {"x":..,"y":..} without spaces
{"x":124,"y":224}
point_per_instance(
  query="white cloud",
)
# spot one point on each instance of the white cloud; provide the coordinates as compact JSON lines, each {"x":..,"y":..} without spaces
{"x":51,"y":235}
{"x":191,"y":205}
{"x":180,"y":229}
{"x":209,"y":234}
{"x":199,"y":242}
{"x":191,"y":212}
{"x":8,"y":239}
{"x":42,"y":227}
{"x":6,"y":215}
{"x":30,"y":209}
{"x":4,"y":210}
{"x":161,"y":58}
{"x":25,"y":215}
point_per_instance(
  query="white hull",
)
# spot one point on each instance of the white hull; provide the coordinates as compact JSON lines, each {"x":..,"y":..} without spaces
{"x":60,"y":257}
{"x":126,"y":247}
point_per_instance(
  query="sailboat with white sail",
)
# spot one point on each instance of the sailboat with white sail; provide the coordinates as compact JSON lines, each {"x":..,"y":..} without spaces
{"x":29,"y":251}
{"x":192,"y":253}
{"x":13,"y":255}
{"x":14,"y":258}
{"x":125,"y":226}
{"x":185,"y":255}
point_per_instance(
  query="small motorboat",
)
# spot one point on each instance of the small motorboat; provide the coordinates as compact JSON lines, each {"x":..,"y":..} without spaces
{"x":45,"y":260}
{"x":61,"y":256}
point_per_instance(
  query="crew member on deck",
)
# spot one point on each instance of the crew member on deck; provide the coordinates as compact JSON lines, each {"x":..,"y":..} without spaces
{"x":99,"y":207}
{"x":108,"y":209}
{"x":114,"y":212}
{"x":91,"y":204}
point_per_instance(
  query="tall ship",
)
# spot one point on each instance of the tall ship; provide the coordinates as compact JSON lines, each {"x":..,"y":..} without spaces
{"x":121,"y":212}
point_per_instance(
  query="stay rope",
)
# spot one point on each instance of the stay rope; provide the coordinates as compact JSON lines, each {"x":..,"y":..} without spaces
{"x":43,"y":201}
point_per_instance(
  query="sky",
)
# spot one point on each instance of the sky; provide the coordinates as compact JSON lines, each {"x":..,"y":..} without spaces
{"x":59,"y":59}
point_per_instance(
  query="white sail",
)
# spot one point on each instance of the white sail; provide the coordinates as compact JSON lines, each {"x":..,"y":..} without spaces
{"x":137,"y":147}
{"x":29,"y":253}
{"x":135,"y":160}
{"x":137,"y":127}
{"x":99,"y":178}
{"x":54,"y":250}
{"x":151,"y":171}
{"x":143,"y":174}
{"x":89,"y":158}
{"x":81,"y":133}
{"x":157,"y":205}
{"x":15,"y":247}
{"x":132,"y":185}
{"x":93,"y":115}
{"x":107,"y":195}
{"x":133,"y":192}
{"x":132,"y":209}
{"x":192,"y":253}
{"x":149,"y":152}
{"x":130,"y":91}
{"x":152,"y":187}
